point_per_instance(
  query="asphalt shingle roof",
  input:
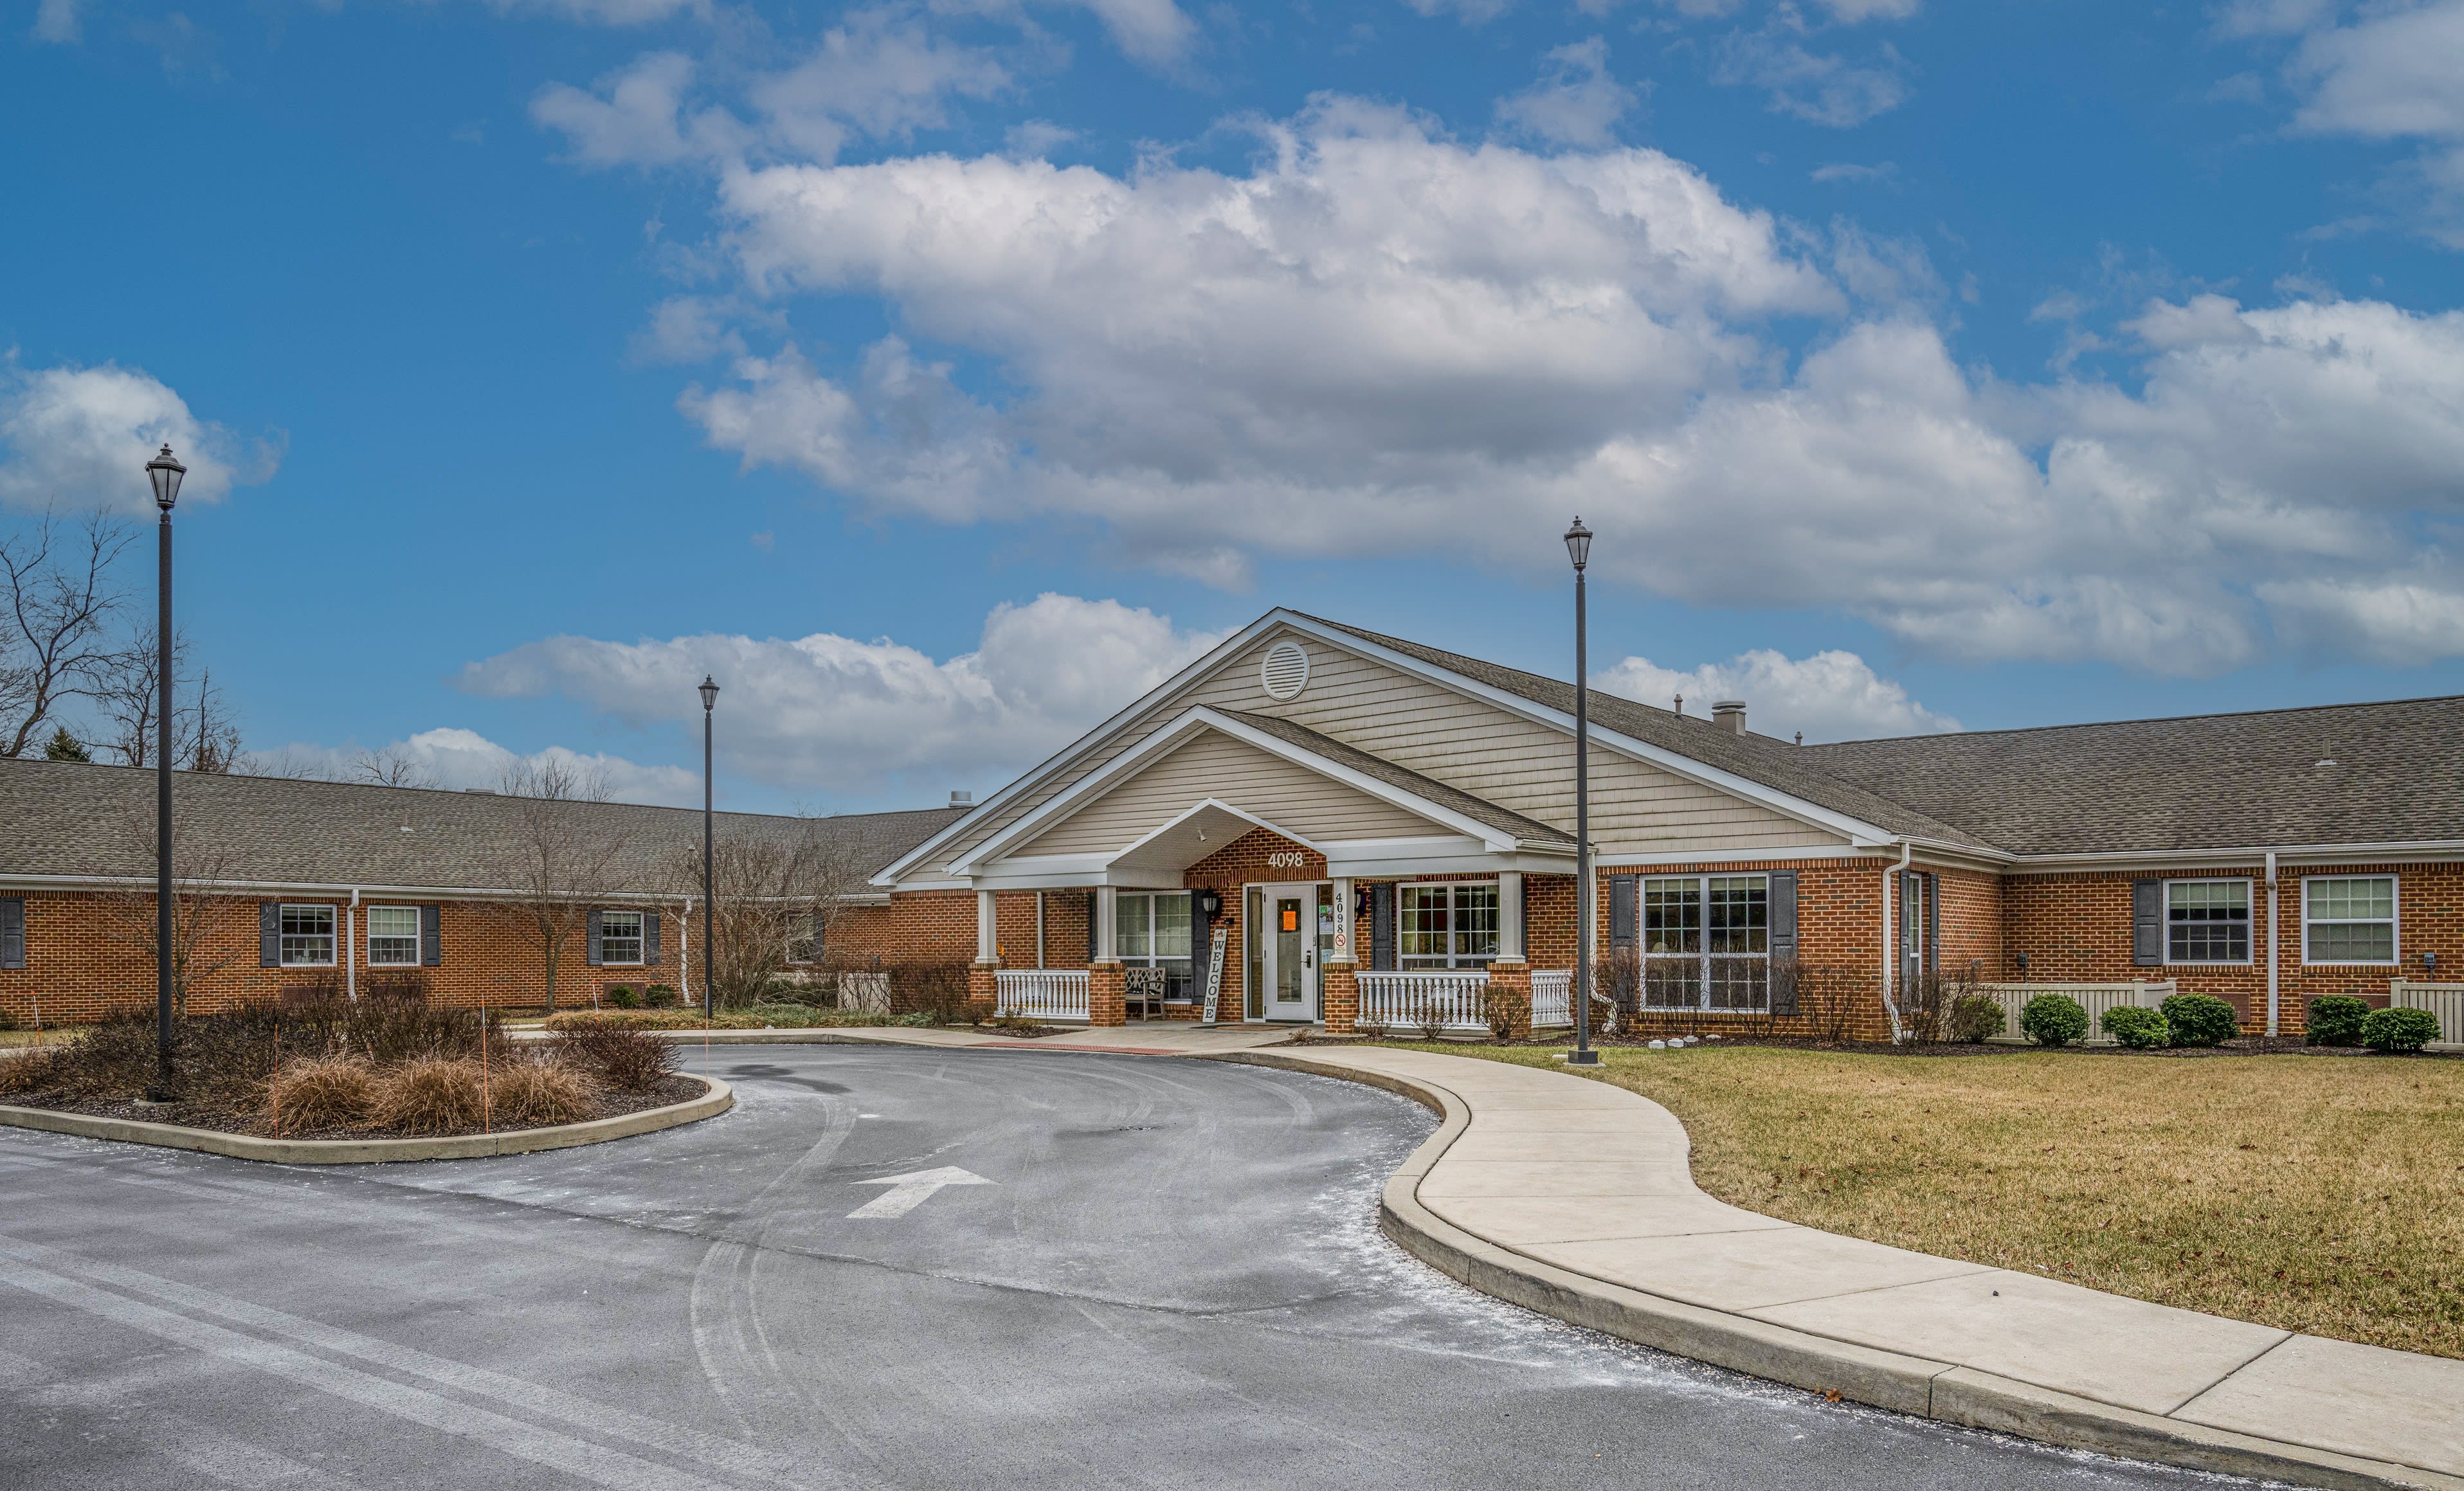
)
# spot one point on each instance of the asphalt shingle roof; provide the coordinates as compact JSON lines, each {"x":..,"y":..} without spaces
{"x":1529,"y":830}
{"x":61,"y":818}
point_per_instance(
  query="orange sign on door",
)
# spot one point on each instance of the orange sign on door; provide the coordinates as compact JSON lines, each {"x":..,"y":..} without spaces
{"x":1291,"y":918}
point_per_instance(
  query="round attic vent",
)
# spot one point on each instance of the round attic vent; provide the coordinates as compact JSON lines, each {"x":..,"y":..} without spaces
{"x":1285,"y":672}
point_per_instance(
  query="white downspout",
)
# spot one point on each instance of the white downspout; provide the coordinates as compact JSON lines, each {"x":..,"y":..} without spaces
{"x":351,"y":945}
{"x":2273,"y":902}
{"x":1890,"y":943}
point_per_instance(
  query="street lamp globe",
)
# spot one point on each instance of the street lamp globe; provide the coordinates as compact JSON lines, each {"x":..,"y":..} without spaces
{"x":1578,"y":545}
{"x":165,"y":473}
{"x":709,"y":694}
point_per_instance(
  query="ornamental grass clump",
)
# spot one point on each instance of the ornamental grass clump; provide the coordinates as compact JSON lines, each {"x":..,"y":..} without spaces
{"x":2336,"y":1019}
{"x":433,"y":1095}
{"x":2199,"y":1020}
{"x":325,"y":1093}
{"x":2054,"y":1020}
{"x":627,"y":1058}
{"x":526,"y":1094}
{"x":2140,"y":1029}
{"x":2399,"y":1030}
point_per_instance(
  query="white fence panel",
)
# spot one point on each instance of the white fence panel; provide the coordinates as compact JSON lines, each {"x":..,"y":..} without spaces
{"x":1407,"y":1003}
{"x":1553,"y":998}
{"x":869,"y":992}
{"x":2095,"y":998}
{"x":1043,"y":993}
{"x":2444,"y":1001}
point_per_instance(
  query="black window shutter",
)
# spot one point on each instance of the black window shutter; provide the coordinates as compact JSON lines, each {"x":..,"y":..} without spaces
{"x":268,"y":935}
{"x":1933,"y":922}
{"x":2147,"y":923}
{"x":1381,"y":926}
{"x":12,"y":934}
{"x":651,"y":935}
{"x":1622,"y":896}
{"x":1783,"y":941}
{"x":592,"y":955}
{"x":431,"y":936}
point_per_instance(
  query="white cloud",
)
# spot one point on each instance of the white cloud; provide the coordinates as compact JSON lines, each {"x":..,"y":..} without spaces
{"x":606,"y":12}
{"x":1819,"y":88}
{"x":80,"y":437}
{"x":2389,"y":75}
{"x":454,"y":757}
{"x":837,"y":714}
{"x":1850,"y":171}
{"x":1153,"y":32}
{"x":881,"y":74}
{"x":1831,"y":695}
{"x":1575,"y":102}
{"x":687,"y":329}
{"x":58,"y":21}
{"x":631,"y":116}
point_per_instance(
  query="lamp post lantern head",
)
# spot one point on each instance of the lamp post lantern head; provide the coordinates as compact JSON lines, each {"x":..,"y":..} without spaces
{"x":1578,"y":545}
{"x":709,"y":695}
{"x":165,"y":473}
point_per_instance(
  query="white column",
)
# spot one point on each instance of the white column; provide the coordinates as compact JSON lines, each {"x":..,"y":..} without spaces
{"x":1343,"y":921}
{"x":1509,"y":917}
{"x":1107,"y":926}
{"x":1039,"y":928}
{"x":987,"y":929}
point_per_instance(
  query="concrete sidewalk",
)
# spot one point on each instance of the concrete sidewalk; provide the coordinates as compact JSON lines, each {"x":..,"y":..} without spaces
{"x":1574,"y":1197}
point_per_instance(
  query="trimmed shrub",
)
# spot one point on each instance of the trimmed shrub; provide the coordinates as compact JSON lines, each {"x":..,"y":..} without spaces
{"x":2336,"y":1019}
{"x":659,"y":996}
{"x":1975,"y":1016}
{"x":2140,"y":1029}
{"x":627,"y":1059}
{"x":321,"y":1094}
{"x":2399,"y":1030}
{"x":530,"y":1094}
{"x":432,"y":1096}
{"x":622,"y":996}
{"x":2054,"y":1020}
{"x":2199,"y":1020}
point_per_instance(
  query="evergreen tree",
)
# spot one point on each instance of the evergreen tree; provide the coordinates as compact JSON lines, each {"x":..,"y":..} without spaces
{"x":64,"y":747}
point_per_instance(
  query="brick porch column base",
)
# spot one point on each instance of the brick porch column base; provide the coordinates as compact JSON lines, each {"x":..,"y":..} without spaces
{"x":1339,"y":995}
{"x":1108,"y":990}
{"x":1509,"y":999}
{"x":984,"y":991}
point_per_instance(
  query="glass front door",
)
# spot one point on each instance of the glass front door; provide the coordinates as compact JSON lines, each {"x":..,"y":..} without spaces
{"x":1285,"y":952}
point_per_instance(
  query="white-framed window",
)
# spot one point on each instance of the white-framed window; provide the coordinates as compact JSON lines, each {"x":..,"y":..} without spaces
{"x":307,"y":936}
{"x":2207,"y":921}
{"x":2348,"y":919}
{"x":620,"y":936}
{"x":1706,"y":941}
{"x":1154,"y":933}
{"x":1450,"y":924}
{"x":393,"y":937}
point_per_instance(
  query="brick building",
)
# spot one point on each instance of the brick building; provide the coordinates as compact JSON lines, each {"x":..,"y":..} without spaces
{"x":1317,"y":824}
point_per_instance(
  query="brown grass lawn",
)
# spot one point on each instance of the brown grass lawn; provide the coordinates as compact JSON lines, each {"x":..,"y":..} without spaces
{"x":2316,"y":1194}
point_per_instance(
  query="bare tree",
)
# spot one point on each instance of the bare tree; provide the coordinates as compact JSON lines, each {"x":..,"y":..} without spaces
{"x":200,"y":864}
{"x":561,"y":855}
{"x":126,"y":689}
{"x":391,"y":768}
{"x":780,"y":887}
{"x":56,"y":586}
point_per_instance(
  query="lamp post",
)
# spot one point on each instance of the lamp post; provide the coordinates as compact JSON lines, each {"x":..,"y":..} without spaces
{"x":708,"y":920}
{"x":164,"y":472}
{"x":1578,"y":548}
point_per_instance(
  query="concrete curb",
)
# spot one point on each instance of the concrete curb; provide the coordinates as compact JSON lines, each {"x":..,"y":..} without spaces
{"x":1820,"y":1363}
{"x":717,"y":1100}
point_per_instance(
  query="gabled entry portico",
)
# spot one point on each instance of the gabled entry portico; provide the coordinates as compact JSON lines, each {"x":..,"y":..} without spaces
{"x":1264,"y":830}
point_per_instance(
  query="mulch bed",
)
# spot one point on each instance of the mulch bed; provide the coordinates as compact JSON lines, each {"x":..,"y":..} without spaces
{"x":604,"y":1103}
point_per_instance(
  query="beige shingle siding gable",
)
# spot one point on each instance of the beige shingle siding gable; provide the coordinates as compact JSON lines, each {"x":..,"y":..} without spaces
{"x":1286,"y":793}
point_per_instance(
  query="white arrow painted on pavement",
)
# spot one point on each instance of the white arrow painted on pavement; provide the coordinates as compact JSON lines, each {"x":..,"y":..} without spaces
{"x":907,"y":1193}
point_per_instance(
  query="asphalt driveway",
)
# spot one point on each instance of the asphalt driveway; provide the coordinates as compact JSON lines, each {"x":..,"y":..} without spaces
{"x":1132,"y":1272}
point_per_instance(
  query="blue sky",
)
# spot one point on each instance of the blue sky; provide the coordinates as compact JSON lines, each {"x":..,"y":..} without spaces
{"x":942,"y":375}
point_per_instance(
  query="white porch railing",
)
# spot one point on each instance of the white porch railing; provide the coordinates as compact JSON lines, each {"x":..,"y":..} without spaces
{"x":1553,"y":998}
{"x":1043,"y":993}
{"x":2444,"y":1001}
{"x":2095,"y":998}
{"x":1451,"y":1000}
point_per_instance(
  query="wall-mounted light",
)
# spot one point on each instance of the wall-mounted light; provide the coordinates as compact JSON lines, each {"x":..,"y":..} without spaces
{"x":1210,"y":905}
{"x":2023,"y":962}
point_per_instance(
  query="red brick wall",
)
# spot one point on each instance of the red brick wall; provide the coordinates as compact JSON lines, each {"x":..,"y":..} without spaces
{"x":1969,"y":906}
{"x":2078,"y":927}
{"x":1240,"y":863}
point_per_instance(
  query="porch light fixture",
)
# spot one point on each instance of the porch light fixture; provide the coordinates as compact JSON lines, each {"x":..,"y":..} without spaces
{"x":1210,"y":905}
{"x":1578,"y":548}
{"x":163,"y":471}
{"x":709,"y":921}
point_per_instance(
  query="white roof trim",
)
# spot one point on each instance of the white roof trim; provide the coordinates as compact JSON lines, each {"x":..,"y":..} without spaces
{"x":1179,"y":732}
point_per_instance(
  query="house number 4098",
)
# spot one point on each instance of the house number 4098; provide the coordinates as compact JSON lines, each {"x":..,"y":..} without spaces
{"x":1285,"y":861}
